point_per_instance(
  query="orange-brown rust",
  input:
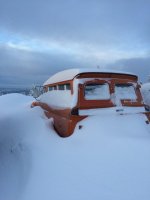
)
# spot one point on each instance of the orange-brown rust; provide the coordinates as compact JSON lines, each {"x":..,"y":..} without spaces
{"x":35,"y":103}
{"x":64,"y":121}
{"x":65,"y":127}
{"x":108,"y":75}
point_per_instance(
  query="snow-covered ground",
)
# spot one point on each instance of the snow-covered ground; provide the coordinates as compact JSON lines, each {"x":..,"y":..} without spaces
{"x":108,"y":159}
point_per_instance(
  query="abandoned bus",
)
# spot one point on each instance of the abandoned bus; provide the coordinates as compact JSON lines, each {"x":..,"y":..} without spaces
{"x":72,"y":95}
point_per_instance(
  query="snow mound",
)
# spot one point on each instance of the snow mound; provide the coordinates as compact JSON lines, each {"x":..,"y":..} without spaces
{"x":108,"y":158}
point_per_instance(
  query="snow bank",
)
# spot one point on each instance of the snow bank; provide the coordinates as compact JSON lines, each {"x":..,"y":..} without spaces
{"x":18,"y":130}
{"x":108,"y":158}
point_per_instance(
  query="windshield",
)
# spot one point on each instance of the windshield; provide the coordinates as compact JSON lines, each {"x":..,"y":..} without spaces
{"x":125,"y":91}
{"x":96,"y":91}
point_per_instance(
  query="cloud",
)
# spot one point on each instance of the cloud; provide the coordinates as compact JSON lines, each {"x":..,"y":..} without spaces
{"x":139,"y":66}
{"x":39,"y":38}
{"x":25,"y":68}
{"x":102,"y":22}
{"x":20,"y":66}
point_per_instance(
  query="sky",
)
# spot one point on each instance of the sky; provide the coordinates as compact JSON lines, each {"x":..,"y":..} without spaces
{"x":41,"y":37}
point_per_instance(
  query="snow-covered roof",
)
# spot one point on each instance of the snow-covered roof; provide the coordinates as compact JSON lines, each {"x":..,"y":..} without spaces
{"x":69,"y":74}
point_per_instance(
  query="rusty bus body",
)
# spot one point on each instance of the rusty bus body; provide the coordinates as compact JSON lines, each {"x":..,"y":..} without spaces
{"x":71,"y":95}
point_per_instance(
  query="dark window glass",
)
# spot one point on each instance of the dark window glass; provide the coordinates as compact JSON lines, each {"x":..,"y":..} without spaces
{"x":50,"y":88}
{"x":55,"y":87}
{"x":61,"y":87}
{"x":68,"y":86}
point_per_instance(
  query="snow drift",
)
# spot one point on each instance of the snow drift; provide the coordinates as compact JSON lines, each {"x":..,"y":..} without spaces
{"x":108,"y":158}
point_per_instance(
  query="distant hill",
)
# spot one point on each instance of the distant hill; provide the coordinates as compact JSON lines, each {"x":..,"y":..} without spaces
{"x":4,"y":91}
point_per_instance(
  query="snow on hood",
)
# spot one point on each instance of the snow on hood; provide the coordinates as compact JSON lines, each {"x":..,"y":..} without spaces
{"x":108,"y":158}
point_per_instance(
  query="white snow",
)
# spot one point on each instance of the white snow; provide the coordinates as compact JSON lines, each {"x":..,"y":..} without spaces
{"x":70,"y":74}
{"x":57,"y":98}
{"x":112,"y":111}
{"x":145,"y":89}
{"x":125,"y":91}
{"x":108,"y":158}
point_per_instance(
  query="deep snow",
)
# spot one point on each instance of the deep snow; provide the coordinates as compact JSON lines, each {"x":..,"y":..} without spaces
{"x":108,"y":159}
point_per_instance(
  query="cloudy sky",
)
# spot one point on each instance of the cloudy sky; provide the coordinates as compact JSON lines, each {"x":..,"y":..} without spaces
{"x":41,"y":37}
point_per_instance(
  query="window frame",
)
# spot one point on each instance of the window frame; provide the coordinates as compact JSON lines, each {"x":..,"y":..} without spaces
{"x":89,"y":104}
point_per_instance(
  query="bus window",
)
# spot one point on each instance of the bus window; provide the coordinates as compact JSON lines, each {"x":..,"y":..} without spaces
{"x":96,"y":91}
{"x":50,"y":88}
{"x":67,"y":86}
{"x":125,"y":91}
{"x":55,"y":87}
{"x":61,"y":87}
